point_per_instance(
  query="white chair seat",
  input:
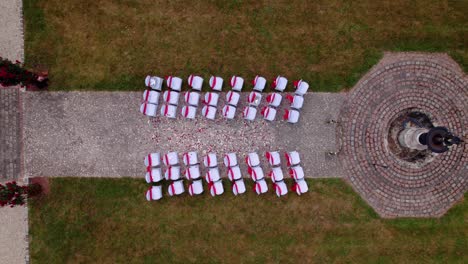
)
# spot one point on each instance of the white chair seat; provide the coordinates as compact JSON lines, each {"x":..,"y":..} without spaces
{"x":301,"y":87}
{"x":188,"y":111}
{"x":216,"y":83}
{"x":169,"y":111}
{"x":249,"y":113}
{"x":256,"y":173}
{"x":154,"y":82}
{"x":192,"y":98}
{"x":176,"y":188}
{"x":269,"y":113}
{"x":175,"y":83}
{"x":254,"y":98}
{"x":210,"y":160}
{"x":195,"y":188}
{"x":232,"y":98}
{"x":192,"y":172}
{"x":171,"y":97}
{"x":292,"y":158}
{"x":151,"y":97}
{"x":237,"y":83}
{"x":280,"y":188}
{"x":234,"y":173}
{"x":261,"y":187}
{"x":292,"y":116}
{"x":280,"y":83}
{"x":300,"y":187}
{"x":238,"y":187}
{"x":276,"y":174}
{"x":154,"y":193}
{"x":196,"y":82}
{"x":212,"y":175}
{"x":229,"y":111}
{"x":252,"y":159}
{"x":153,"y":160}
{"x":216,"y":188}
{"x":171,"y":159}
{"x":274,"y":99}
{"x":211,"y":99}
{"x":148,"y":109}
{"x":230,"y":160}
{"x":259,"y":83}
{"x":209,"y":112}
{"x":297,"y":101}
{"x":172,"y":173}
{"x":153,"y":175}
{"x":297,"y":172}
{"x":190,"y":158}
{"x":273,"y":157}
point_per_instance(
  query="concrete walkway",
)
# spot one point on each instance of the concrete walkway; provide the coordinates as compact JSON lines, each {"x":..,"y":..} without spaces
{"x":102,"y":134}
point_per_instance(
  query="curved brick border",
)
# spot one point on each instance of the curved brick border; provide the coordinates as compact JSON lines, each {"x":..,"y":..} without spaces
{"x":432,"y":83}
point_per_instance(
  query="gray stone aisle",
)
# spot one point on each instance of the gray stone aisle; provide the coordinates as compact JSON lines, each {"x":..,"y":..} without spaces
{"x":103,"y":134}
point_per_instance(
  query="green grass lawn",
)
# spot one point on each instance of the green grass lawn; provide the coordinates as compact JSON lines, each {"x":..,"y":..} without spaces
{"x":113,"y":44}
{"x":90,"y":220}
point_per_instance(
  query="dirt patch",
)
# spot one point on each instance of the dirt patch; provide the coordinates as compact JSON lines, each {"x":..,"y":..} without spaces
{"x":43,"y":181}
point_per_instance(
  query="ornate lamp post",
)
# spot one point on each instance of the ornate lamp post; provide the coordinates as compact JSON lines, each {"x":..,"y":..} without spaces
{"x":436,"y":139}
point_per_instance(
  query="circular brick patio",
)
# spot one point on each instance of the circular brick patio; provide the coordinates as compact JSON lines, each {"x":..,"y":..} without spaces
{"x":401,"y":82}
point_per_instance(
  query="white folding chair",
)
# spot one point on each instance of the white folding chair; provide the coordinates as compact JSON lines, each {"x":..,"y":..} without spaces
{"x":148,"y":109}
{"x":212,"y":175}
{"x":190,"y":158}
{"x":301,"y":87}
{"x":232,"y":98}
{"x":154,"y":82}
{"x":171,"y":159}
{"x":249,"y":113}
{"x":216,"y":188}
{"x":259,"y":83}
{"x":274,"y":99}
{"x":154,"y":193}
{"x":269,"y":113}
{"x":276,"y":174}
{"x":176,"y":188}
{"x":211,"y":99}
{"x":229,"y":111}
{"x":195,"y":188}
{"x":152,"y":160}
{"x":151,"y":97}
{"x":171,"y":97}
{"x":230,"y":160}
{"x":238,"y":187}
{"x":237,"y":83}
{"x":300,"y":187}
{"x":261,"y":187}
{"x":256,"y":173}
{"x":192,"y":172}
{"x":210,"y":160}
{"x":209,"y":112}
{"x":296,"y":101}
{"x":175,"y":83}
{"x":273,"y":157}
{"x":188,"y":111}
{"x":234,"y":173}
{"x":292,"y":116}
{"x":153,"y":175}
{"x":216,"y":83}
{"x":172,"y":173}
{"x":252,"y":159}
{"x":292,"y":158}
{"x":192,"y":98}
{"x":280,"y":188}
{"x":196,"y":82}
{"x":168,"y":110}
{"x":254,"y":98}
{"x":280,"y":83}
{"x":296,"y":172}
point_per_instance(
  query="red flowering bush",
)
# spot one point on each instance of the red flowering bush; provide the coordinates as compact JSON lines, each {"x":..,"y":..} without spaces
{"x":11,"y":194}
{"x":14,"y":74}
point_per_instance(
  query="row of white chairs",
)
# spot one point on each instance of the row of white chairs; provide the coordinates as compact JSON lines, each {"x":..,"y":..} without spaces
{"x":293,"y":162}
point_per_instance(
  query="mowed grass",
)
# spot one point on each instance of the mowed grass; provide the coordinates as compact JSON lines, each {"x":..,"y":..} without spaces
{"x":114,"y":44}
{"x":90,"y":220}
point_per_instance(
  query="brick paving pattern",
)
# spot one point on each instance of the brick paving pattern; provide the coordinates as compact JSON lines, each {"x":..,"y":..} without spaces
{"x":431,"y":83}
{"x":9,"y":134}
